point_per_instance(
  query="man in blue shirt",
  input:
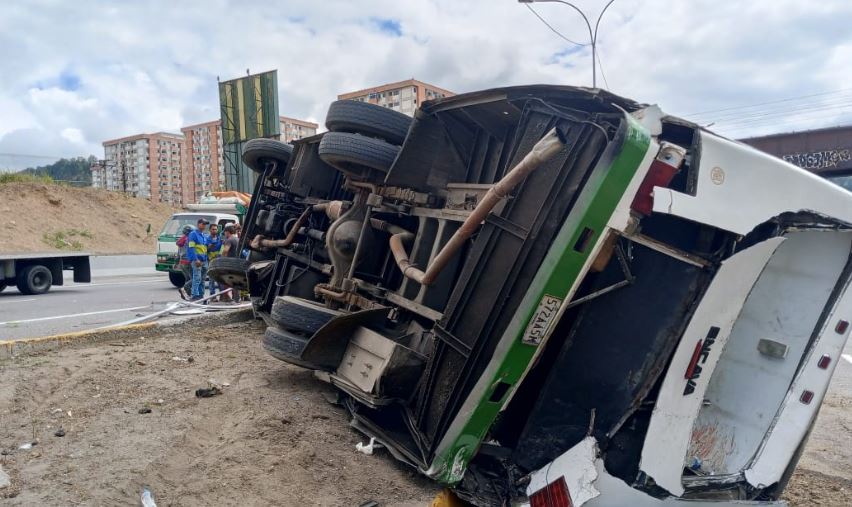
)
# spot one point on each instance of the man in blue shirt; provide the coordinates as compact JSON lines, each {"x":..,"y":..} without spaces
{"x":196,"y":251}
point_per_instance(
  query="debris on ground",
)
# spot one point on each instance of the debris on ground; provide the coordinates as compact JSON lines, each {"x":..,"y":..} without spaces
{"x":207,"y":392}
{"x":145,"y":410}
{"x":148,"y":498}
{"x":60,"y":432}
{"x":368,"y":448}
{"x":5,"y":481}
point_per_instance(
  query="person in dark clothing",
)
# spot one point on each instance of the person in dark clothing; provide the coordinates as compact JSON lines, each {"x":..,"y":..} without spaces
{"x":231,"y":248}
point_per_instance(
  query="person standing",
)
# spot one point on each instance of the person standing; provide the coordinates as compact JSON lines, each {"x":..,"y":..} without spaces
{"x":231,"y":248}
{"x":196,"y":250}
{"x":212,"y":252}
{"x":184,"y":264}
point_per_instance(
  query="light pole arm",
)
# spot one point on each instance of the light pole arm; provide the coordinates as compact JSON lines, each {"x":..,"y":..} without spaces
{"x":593,"y":34}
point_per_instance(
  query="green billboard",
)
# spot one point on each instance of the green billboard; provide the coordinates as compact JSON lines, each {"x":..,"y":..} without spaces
{"x":249,"y":107}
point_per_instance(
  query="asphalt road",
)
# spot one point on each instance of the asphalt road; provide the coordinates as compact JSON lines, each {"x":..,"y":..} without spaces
{"x":109,"y":299}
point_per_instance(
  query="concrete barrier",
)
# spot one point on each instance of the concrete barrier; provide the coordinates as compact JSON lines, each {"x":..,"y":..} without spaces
{"x":120,"y":265}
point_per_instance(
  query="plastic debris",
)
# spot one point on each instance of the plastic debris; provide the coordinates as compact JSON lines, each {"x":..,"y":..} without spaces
{"x":369,"y":448}
{"x":27,"y":446}
{"x":5,"y":481}
{"x":148,"y":498}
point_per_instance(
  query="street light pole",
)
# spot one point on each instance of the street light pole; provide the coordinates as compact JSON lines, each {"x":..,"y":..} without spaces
{"x":593,"y":34}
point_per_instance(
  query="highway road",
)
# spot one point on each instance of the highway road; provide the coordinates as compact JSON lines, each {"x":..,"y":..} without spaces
{"x":76,"y":307}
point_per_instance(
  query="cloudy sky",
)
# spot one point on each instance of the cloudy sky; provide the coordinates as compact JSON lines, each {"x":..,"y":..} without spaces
{"x":76,"y":73}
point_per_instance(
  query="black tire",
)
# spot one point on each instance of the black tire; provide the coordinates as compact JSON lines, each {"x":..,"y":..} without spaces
{"x":257,"y":151}
{"x":286,"y":346}
{"x":230,"y":271}
{"x":177,"y":279}
{"x":368,"y":119}
{"x":352,"y":152}
{"x":35,"y":279}
{"x":299,"y":315}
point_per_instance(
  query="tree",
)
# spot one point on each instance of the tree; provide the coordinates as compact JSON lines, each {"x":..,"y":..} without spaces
{"x":75,"y":171}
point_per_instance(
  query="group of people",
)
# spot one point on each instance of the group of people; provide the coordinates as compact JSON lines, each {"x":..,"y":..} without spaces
{"x":199,"y":246}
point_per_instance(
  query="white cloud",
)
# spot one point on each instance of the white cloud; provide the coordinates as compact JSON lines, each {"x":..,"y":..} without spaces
{"x":76,"y":74}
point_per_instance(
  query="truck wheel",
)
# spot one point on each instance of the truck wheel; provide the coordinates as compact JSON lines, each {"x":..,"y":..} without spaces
{"x":299,"y":315}
{"x":352,"y":152}
{"x":177,"y":279}
{"x":286,"y":346}
{"x":368,"y":119}
{"x":230,"y":271}
{"x":35,"y":279}
{"x":257,"y":151}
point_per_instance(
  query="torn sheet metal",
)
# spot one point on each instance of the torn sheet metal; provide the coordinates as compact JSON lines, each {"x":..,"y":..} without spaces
{"x":577,"y":466}
{"x":680,"y":398}
{"x":590,"y":485}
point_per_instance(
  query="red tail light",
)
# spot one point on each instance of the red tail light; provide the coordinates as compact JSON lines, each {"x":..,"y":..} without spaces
{"x":660,"y":174}
{"x":555,"y":494}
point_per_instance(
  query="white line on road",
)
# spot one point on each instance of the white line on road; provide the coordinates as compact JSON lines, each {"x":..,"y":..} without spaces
{"x":129,"y":282}
{"x":56,"y":317}
{"x":847,"y":357}
{"x":18,"y":300}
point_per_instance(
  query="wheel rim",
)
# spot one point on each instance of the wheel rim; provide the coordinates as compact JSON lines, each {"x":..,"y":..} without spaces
{"x":39,"y":280}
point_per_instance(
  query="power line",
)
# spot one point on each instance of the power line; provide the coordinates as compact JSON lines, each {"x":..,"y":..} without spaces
{"x":838,"y":100}
{"x":25,"y":155}
{"x":554,"y":30}
{"x":780,"y":115}
{"x":789,"y":99}
{"x":834,"y":115}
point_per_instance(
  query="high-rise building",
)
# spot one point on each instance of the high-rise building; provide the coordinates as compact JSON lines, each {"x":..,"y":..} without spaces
{"x":175,"y":168}
{"x":292,"y":129}
{"x":205,"y":166}
{"x":145,"y":165}
{"x":404,"y":96}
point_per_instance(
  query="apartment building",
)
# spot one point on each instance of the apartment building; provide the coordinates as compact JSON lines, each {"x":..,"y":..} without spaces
{"x":149,"y":166}
{"x":292,"y":129}
{"x":403,"y":96}
{"x":175,"y":168}
{"x":205,"y":165}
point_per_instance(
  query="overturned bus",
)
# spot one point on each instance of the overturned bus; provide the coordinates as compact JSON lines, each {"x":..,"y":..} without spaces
{"x":555,"y":295}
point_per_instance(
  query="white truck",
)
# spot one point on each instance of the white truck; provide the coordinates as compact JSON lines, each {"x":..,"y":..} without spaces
{"x":35,"y":273}
{"x":220,"y":208}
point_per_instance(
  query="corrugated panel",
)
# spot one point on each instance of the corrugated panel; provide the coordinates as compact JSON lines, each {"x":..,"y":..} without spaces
{"x":238,"y":176}
{"x":249,"y":107}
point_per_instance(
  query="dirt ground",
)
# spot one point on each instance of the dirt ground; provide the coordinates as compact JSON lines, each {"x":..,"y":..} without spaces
{"x":39,"y":217}
{"x":271,"y":438}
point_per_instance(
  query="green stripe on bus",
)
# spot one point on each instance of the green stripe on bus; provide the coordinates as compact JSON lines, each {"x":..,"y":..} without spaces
{"x":559,"y":270}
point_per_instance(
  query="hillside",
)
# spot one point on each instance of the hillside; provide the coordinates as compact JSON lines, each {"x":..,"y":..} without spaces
{"x":75,"y":170}
{"x":39,"y":217}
